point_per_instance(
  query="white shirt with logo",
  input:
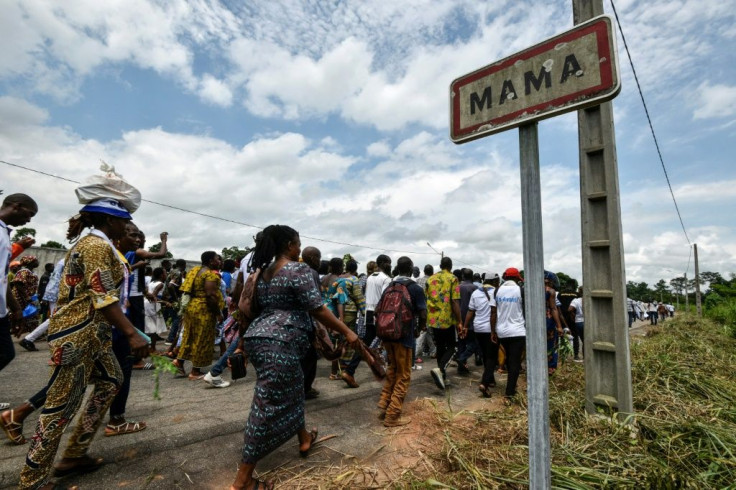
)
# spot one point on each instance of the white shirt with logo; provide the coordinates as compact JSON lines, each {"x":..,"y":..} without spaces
{"x":509,"y":311}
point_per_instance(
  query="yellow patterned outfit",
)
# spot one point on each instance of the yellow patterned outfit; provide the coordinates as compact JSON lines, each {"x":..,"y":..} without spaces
{"x":442,"y":289}
{"x":80,"y":339}
{"x":198,"y":340}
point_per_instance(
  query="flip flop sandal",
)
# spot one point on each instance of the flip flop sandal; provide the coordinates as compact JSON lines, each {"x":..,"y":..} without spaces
{"x":313,"y":440}
{"x":85,"y":464}
{"x":13,"y":429}
{"x":124,"y":428}
{"x":195,"y":377}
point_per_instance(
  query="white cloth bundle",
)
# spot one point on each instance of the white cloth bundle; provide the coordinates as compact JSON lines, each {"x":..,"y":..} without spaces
{"x":109,"y":185}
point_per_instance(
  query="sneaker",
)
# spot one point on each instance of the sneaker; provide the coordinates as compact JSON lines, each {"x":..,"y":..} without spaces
{"x":215,"y":381}
{"x":396,"y":421}
{"x":578,"y":359}
{"x":27,"y":345}
{"x":463,"y":369}
{"x":438,"y":378}
{"x":416,"y":367}
{"x":349,"y":380}
{"x":167,"y":343}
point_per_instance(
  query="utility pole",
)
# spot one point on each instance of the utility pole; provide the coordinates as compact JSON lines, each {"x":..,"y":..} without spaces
{"x":698,"y":305}
{"x":607,"y":357}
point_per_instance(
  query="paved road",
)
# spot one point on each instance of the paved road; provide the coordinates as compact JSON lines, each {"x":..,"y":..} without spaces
{"x":194,"y":432}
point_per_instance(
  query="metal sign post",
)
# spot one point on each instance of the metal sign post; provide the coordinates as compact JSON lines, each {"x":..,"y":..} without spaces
{"x":536,"y":337}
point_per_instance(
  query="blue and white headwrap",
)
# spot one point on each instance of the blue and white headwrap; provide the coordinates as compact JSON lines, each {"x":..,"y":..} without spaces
{"x":107,"y":205}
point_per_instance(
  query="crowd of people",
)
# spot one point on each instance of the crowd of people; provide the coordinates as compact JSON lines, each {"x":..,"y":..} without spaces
{"x":103,"y":309}
{"x":654,"y":311}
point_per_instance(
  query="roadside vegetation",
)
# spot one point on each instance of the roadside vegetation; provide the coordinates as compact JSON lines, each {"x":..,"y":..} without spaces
{"x":682,"y":434}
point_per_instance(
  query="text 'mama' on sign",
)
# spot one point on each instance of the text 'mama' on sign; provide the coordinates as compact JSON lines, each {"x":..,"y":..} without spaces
{"x":570,"y":71}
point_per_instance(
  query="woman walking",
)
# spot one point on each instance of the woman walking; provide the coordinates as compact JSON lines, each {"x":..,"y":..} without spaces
{"x":155,"y":324}
{"x":554,"y":326}
{"x":275,"y":342}
{"x":80,"y":337}
{"x":481,"y":315}
{"x":23,"y":288}
{"x":201,"y":315}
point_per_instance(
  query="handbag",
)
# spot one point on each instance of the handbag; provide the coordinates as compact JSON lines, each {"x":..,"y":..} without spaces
{"x":237,"y":366}
{"x":324,"y":345}
{"x":248,"y":303}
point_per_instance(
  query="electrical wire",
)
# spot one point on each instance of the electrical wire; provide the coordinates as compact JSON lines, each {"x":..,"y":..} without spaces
{"x":651,"y":126}
{"x":227,"y":220}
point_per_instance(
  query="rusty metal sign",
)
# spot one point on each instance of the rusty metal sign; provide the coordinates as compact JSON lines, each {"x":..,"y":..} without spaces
{"x":568,"y":72}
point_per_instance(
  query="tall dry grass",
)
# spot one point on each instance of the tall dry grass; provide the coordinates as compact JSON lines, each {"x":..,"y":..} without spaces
{"x":682,"y":432}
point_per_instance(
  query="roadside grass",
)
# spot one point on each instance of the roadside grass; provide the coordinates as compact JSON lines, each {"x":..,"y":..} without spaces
{"x":682,"y":434}
{"x":723,"y":312}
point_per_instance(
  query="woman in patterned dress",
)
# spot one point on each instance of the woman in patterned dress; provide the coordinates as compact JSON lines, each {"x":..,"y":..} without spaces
{"x":554,"y":325}
{"x":23,"y":287}
{"x":275,"y":342}
{"x":201,"y":315}
{"x":80,"y":339}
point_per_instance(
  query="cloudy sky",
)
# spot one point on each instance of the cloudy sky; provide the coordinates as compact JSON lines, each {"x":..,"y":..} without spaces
{"x":332,"y":117}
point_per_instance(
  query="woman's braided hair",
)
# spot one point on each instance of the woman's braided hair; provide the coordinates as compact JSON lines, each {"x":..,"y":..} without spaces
{"x":274,"y":241}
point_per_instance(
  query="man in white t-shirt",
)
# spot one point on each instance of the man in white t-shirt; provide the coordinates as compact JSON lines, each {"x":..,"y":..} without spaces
{"x":510,"y":327}
{"x":374,"y":287}
{"x":481,"y":313}
{"x":576,"y":307}
{"x":245,"y":270}
{"x":16,"y":210}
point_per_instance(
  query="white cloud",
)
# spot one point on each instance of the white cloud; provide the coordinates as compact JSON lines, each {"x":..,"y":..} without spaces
{"x":715,"y":100}
{"x":19,"y":112}
{"x":378,"y":149}
{"x":215,"y":91}
{"x":376,"y":168}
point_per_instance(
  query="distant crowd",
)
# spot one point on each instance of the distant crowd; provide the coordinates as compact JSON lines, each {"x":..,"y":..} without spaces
{"x":654,"y":311}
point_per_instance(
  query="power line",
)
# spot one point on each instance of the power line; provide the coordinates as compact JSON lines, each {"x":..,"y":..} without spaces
{"x":227,"y":220}
{"x":651,"y":126}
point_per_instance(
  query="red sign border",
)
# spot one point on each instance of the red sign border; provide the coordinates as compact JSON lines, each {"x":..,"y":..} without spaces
{"x":608,"y":88}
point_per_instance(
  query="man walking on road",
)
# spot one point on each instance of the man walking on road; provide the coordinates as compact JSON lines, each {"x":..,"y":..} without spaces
{"x":443,"y":317}
{"x":399,"y":353}
{"x":374,"y":287}
{"x":16,"y":210}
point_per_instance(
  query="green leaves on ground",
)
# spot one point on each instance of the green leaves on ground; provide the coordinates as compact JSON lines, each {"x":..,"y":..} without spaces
{"x":160,"y":364}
